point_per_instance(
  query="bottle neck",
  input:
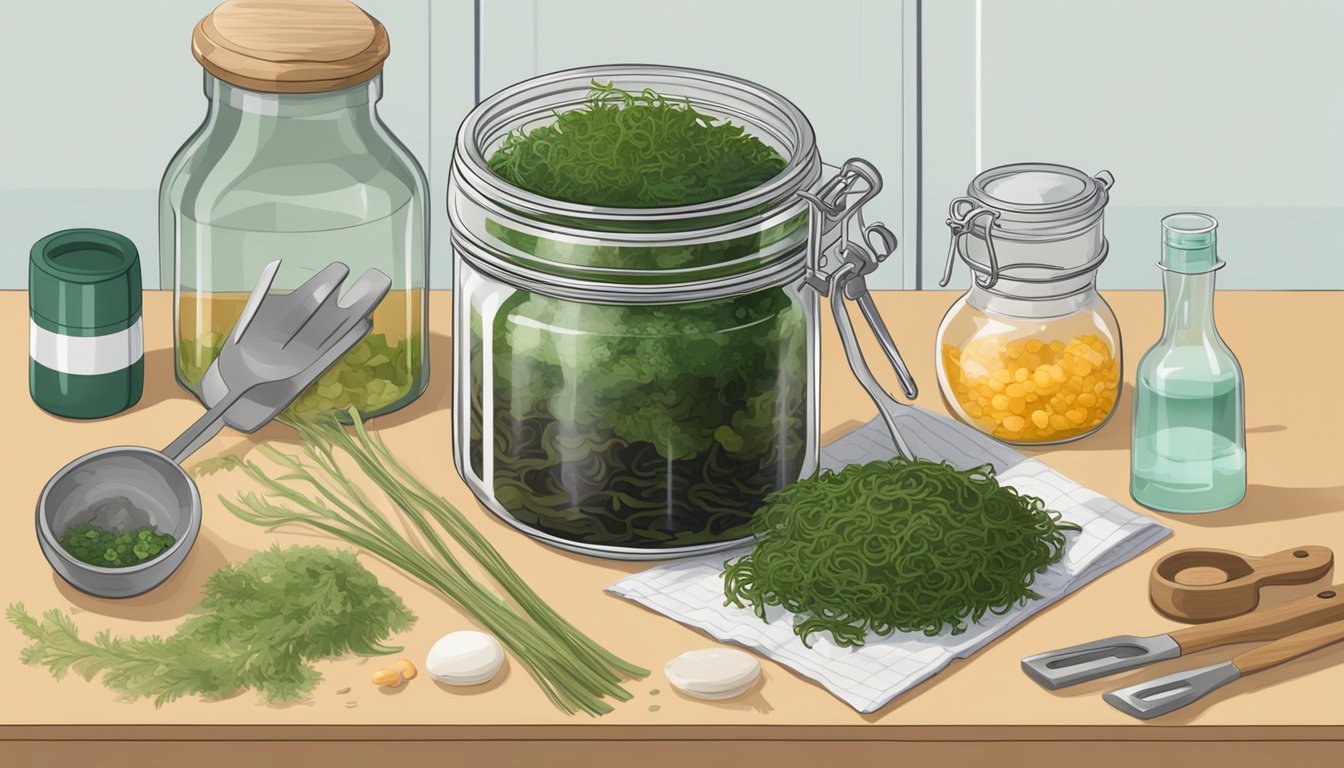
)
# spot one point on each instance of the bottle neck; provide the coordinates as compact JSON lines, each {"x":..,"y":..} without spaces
{"x":1188,"y":300}
{"x":334,"y":109}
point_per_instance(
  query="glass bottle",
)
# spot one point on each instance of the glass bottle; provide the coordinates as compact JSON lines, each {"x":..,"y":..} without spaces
{"x":294,"y":163}
{"x":1189,"y":443}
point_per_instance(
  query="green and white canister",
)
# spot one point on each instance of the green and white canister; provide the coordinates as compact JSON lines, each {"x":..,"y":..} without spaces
{"x":85,"y":339}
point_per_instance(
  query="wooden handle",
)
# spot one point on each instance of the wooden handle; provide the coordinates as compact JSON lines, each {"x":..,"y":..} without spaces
{"x":1290,"y":618}
{"x":1289,"y":648}
{"x":1298,"y":565}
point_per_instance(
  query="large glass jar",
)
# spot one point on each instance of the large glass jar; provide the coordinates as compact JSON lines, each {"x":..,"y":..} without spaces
{"x":1031,"y":353}
{"x":633,"y":382}
{"x":293,"y":163}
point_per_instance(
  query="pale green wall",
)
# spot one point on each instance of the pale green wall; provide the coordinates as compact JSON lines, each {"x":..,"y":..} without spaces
{"x":101,"y":94}
{"x":1231,"y":108}
{"x":843,"y":62}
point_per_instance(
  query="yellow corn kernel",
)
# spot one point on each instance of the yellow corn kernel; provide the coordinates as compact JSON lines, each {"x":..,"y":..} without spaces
{"x":1032,"y":390}
{"x":386,"y":677}
{"x":406,"y":668}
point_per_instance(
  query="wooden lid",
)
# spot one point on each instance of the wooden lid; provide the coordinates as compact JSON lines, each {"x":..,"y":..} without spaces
{"x":290,"y":46}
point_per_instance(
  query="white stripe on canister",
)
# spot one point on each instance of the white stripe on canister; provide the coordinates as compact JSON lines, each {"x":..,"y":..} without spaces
{"x":86,"y":355}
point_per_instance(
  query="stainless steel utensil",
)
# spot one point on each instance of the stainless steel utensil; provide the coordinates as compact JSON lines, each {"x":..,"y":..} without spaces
{"x":1165,"y":694}
{"x":280,"y":345}
{"x":1089,"y":661}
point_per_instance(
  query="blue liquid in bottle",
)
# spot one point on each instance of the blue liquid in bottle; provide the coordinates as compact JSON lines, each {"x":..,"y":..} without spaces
{"x":1189,"y":445}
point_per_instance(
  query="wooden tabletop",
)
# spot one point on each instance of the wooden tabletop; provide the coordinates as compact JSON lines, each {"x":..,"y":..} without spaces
{"x":978,"y":710}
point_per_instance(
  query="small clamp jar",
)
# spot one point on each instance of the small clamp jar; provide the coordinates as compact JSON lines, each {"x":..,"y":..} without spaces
{"x":1030,"y":354}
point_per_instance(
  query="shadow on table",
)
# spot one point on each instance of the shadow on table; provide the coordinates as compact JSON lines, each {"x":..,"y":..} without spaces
{"x":751,"y":701}
{"x":475,"y":690}
{"x":1265,"y":503}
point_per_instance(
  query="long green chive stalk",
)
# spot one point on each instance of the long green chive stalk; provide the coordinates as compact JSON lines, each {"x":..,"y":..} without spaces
{"x":575,"y":672}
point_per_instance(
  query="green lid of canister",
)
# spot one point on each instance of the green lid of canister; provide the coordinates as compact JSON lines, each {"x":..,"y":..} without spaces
{"x":84,"y":278}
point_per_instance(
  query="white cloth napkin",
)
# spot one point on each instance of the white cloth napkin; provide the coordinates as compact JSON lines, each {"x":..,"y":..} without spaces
{"x":870,"y":676}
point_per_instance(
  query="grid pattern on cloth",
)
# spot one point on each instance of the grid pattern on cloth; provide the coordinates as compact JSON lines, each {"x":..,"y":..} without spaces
{"x":868,"y":677}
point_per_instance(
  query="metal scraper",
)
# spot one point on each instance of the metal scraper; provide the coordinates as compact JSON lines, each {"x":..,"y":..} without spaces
{"x":1080,"y":663}
{"x":1160,"y":696}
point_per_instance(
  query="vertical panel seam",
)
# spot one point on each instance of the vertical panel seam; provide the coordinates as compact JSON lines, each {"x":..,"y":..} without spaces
{"x":919,"y":144}
{"x":478,"y":21}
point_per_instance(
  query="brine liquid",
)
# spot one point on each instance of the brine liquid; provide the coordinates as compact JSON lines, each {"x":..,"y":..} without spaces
{"x":220,"y":263}
{"x":1187,"y":454}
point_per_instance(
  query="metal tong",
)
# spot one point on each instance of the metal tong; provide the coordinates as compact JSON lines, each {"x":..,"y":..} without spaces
{"x":840,"y":272}
{"x":280,"y":345}
{"x":1295,"y":628}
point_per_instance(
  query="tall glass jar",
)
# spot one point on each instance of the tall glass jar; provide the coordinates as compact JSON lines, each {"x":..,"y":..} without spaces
{"x":293,"y":163}
{"x":1030,"y":354}
{"x":633,"y":382}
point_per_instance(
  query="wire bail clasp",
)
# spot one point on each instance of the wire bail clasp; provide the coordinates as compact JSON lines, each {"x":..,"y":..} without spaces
{"x":961,"y":216}
{"x":839,"y":270}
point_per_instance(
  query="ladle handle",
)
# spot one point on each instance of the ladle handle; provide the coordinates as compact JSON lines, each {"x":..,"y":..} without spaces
{"x":1298,"y":565}
{"x":1290,"y":618}
{"x":1289,"y":648}
{"x":199,"y":433}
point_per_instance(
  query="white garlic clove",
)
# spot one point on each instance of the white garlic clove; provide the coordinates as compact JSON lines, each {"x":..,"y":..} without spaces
{"x":713,"y":673}
{"x":465,"y":658}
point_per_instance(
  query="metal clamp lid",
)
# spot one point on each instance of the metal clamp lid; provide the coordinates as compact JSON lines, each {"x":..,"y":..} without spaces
{"x":962,"y":214}
{"x":840,"y":271}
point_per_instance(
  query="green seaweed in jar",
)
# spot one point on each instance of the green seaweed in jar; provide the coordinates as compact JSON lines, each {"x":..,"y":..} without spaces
{"x":628,"y":150}
{"x":636,"y":349}
{"x":645,"y":426}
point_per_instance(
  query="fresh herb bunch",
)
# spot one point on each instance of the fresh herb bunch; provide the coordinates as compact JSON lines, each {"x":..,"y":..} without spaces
{"x":627,"y":150}
{"x":895,"y":546}
{"x":260,"y":626}
{"x":88,"y":543}
{"x":316,"y":490}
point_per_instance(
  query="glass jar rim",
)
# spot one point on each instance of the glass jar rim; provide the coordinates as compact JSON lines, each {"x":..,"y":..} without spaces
{"x":536,"y":96}
{"x":1085,"y":202}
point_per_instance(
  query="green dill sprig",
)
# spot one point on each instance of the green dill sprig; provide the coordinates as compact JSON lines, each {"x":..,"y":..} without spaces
{"x":260,"y":626}
{"x":316,"y":490}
